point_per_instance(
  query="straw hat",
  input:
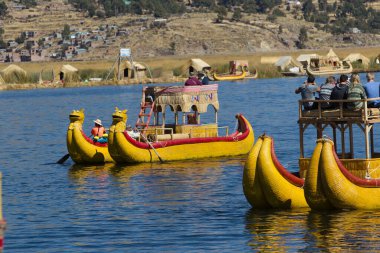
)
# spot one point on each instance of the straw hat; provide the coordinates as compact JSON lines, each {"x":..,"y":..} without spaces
{"x":98,"y":121}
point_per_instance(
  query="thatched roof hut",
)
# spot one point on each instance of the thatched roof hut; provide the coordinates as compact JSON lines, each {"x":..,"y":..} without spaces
{"x":130,"y":70}
{"x":287,"y":62}
{"x":69,"y":74}
{"x":198,"y":65}
{"x":357,"y":57}
{"x":13,"y":74}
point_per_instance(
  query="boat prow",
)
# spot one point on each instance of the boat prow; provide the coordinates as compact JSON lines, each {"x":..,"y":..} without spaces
{"x":279,"y":187}
{"x":81,"y":148}
{"x":343,"y":189}
{"x":313,"y":189}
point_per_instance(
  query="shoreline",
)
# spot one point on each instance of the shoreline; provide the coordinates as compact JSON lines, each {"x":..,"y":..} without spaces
{"x":162,"y":68}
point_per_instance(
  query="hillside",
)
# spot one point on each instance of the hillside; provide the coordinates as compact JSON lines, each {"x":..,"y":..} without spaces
{"x":188,"y":34}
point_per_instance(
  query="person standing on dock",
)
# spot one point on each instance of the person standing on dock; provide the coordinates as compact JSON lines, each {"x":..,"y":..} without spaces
{"x":372,"y":90}
{"x":307,"y":91}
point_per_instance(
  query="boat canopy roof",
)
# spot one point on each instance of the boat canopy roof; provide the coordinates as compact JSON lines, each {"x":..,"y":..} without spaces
{"x":184,"y":98}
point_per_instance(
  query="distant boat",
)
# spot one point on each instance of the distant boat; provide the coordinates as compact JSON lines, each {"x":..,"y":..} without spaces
{"x":226,"y":77}
{"x":326,"y":66}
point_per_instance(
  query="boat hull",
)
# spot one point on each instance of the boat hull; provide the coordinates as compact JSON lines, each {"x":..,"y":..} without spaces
{"x":125,"y":149}
{"x":267,"y":183}
{"x":251,"y":182}
{"x":81,"y":148}
{"x":343,"y":189}
{"x":335,"y":71}
{"x":217,"y":77}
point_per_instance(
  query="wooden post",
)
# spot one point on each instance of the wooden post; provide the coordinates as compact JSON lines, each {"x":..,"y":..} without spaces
{"x":367,"y":129}
{"x":183,"y":118}
{"x":372,"y":144}
{"x":118,"y":67}
{"x":334,"y":135}
{"x":216,"y":117}
{"x":351,"y":141}
{"x":301,"y":140}
{"x":176,"y":118}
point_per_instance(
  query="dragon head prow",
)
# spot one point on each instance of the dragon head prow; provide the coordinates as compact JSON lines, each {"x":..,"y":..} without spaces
{"x":77,"y":116}
{"x":119,"y":115}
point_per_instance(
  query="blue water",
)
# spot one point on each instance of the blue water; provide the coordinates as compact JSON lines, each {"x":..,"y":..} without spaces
{"x":191,"y":206}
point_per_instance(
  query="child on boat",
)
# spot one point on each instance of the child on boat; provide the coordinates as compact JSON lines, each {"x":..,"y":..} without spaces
{"x":98,"y":132}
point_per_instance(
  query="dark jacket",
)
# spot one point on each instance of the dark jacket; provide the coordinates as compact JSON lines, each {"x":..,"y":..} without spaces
{"x":339,"y":93}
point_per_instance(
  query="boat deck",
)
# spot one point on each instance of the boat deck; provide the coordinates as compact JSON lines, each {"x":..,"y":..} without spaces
{"x":342,"y":120}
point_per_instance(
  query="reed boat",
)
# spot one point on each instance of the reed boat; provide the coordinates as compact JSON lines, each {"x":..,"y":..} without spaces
{"x":160,"y":141}
{"x":229,"y":77}
{"x":267,"y":183}
{"x":324,"y":188}
{"x":343,"y":189}
{"x":318,"y":67}
{"x":83,"y":149}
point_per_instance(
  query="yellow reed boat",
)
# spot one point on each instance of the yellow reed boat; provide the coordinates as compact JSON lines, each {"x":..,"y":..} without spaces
{"x":324,"y":172}
{"x":267,"y":183}
{"x":229,"y":77}
{"x":83,"y":149}
{"x":343,"y":189}
{"x":162,"y":141}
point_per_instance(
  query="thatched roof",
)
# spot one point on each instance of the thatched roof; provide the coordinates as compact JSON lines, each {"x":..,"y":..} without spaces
{"x":68,"y":68}
{"x":136,"y":65}
{"x":13,"y":68}
{"x":306,"y":57}
{"x":185,"y":98}
{"x":269,"y":59}
{"x":13,"y":74}
{"x":199,"y":65}
{"x":286,"y":62}
{"x":356,"y":57}
{"x":332,"y":55}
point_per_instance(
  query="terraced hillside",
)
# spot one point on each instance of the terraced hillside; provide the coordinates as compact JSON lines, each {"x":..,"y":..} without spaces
{"x":188,"y":34}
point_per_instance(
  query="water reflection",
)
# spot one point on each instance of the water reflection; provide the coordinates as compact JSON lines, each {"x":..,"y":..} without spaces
{"x":277,"y":231}
{"x":310,"y":231}
{"x":345,"y":230}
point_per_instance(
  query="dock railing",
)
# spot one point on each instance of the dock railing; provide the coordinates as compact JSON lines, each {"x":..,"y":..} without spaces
{"x":339,"y":111}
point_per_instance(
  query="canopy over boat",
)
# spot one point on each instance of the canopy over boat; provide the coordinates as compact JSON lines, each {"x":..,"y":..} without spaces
{"x":184,"y":98}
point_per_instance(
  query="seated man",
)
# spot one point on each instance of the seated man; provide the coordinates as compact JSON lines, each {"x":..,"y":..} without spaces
{"x":372,"y":90}
{"x":307,"y":90}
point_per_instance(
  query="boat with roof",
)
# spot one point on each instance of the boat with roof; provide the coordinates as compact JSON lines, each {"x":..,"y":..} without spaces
{"x":187,"y":137}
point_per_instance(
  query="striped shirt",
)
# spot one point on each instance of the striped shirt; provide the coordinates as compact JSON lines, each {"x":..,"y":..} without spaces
{"x":356,"y":92}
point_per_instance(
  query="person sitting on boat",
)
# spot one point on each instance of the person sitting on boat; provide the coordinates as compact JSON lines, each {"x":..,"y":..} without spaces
{"x":203,"y":78}
{"x":372,"y":90}
{"x":307,"y":90}
{"x":133,"y":132}
{"x":325,"y":91}
{"x":98,"y":132}
{"x":355,"y":92}
{"x":340,"y":90}
{"x":193,"y":81}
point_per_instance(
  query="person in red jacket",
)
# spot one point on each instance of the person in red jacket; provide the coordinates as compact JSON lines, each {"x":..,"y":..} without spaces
{"x":192,"y":81}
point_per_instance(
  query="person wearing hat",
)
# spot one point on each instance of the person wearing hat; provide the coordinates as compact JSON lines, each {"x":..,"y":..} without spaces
{"x":99,"y":132}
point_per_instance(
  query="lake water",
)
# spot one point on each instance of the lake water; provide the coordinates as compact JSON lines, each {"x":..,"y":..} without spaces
{"x":191,"y":206}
